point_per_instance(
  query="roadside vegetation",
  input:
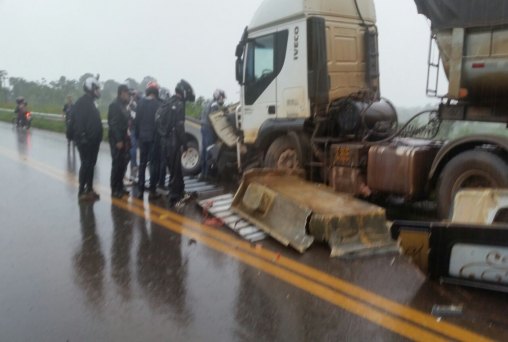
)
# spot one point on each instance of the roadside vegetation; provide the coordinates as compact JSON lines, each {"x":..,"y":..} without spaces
{"x":49,"y":96}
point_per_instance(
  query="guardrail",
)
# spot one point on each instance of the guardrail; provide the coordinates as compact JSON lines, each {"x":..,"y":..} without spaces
{"x":59,"y":117}
{"x":48,"y":116}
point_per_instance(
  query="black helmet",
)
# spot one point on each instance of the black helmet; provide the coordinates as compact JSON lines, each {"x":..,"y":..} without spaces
{"x":185,"y":90}
{"x":20,"y":100}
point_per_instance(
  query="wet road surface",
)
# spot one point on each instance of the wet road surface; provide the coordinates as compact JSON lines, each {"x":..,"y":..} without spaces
{"x":128,"y":270}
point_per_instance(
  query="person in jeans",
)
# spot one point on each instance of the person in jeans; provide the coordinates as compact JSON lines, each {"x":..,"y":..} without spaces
{"x":145,"y":135}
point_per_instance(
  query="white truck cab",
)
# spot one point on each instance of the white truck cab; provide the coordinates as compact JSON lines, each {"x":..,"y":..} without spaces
{"x":296,"y":56}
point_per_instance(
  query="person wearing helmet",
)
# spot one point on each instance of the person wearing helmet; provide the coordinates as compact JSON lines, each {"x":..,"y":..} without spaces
{"x":170,"y":122}
{"x":119,"y":141}
{"x":146,"y":137}
{"x":164,"y":94}
{"x":208,"y":136}
{"x":87,"y":127}
{"x":19,"y":110}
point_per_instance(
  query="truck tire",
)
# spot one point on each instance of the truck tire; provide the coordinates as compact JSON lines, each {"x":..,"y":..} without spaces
{"x":191,"y":160}
{"x":283,"y":155}
{"x":471,"y":169}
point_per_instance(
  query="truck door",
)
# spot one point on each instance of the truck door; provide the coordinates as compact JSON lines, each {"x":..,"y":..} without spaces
{"x":265,"y":56}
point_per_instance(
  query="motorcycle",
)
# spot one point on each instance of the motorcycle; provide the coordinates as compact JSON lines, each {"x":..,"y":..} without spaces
{"x":23,"y":120}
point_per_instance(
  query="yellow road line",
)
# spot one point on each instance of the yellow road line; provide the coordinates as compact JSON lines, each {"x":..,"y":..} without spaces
{"x":367,"y":312}
{"x":211,"y":237}
{"x":350,"y":289}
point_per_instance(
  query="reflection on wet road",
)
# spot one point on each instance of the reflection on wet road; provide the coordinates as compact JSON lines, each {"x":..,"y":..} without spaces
{"x":128,"y":270}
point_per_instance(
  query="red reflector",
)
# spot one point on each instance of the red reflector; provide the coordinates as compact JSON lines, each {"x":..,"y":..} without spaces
{"x":478,"y":65}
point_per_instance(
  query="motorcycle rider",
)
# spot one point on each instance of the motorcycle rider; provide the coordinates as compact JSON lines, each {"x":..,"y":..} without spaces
{"x":208,"y":136}
{"x":87,"y":127}
{"x":170,"y":124}
{"x":146,"y":137}
{"x":119,"y":140}
{"x":20,"y":111}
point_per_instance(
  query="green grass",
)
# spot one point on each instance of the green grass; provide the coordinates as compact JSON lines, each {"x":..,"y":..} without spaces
{"x":45,"y":124}
{"x":192,"y":110}
{"x":37,"y":122}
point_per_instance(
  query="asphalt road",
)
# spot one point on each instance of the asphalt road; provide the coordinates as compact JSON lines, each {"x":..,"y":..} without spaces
{"x":127,"y":270}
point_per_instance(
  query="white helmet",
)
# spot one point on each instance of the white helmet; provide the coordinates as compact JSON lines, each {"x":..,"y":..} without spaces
{"x":219,"y":95}
{"x":164,"y":94}
{"x":92,"y":86}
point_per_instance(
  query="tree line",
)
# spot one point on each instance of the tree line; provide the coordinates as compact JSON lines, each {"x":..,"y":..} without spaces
{"x":49,"y":96}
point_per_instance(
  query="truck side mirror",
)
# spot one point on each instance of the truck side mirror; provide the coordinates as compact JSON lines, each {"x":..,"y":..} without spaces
{"x":241,"y":44}
{"x":239,"y":50}
{"x":239,"y":71}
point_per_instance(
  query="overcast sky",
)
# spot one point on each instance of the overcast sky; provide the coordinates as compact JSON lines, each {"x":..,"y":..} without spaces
{"x":169,"y":40}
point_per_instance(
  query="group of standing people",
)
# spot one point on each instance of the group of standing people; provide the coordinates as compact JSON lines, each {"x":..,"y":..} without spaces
{"x":158,"y":129}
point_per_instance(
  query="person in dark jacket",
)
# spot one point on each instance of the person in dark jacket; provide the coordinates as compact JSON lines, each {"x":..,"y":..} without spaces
{"x":87,"y":127}
{"x":119,"y":141}
{"x":208,"y":136}
{"x":146,"y":137}
{"x":171,"y":128}
{"x":66,"y":113}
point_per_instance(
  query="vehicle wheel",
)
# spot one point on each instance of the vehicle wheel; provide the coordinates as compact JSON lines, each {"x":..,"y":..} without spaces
{"x":472,"y":169}
{"x":283,"y":155}
{"x":191,"y":159}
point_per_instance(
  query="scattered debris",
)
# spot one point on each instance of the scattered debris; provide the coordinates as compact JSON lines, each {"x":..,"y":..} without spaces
{"x":213,"y":222}
{"x":447,"y":310}
{"x":219,"y":207}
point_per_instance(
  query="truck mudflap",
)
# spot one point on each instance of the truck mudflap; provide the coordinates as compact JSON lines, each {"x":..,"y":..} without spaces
{"x":296,"y":213}
{"x":472,"y":255}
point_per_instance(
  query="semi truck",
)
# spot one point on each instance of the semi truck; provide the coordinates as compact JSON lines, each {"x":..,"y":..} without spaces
{"x":310,"y":100}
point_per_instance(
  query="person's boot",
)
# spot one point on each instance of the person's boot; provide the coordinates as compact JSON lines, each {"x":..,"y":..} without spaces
{"x":94,"y":195}
{"x":117,"y":194}
{"x":84,"y":196}
{"x":153,"y":195}
{"x":140,"y":194}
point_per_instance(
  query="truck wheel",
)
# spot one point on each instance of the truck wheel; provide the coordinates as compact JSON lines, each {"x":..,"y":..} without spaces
{"x":191,"y":159}
{"x":472,"y":169}
{"x":283,"y":155}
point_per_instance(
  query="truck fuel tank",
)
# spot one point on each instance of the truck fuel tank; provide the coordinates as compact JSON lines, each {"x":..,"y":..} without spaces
{"x":401,"y":167}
